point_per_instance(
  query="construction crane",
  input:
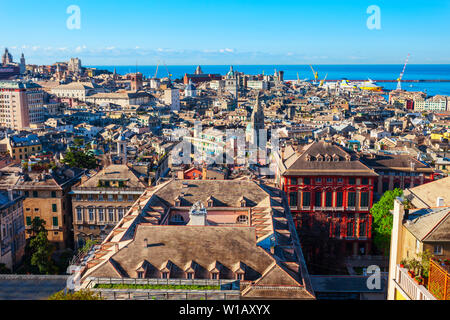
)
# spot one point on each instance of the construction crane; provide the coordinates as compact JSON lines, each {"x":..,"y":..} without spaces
{"x":316,"y":74}
{"x":399,"y":80}
{"x":322,"y":81}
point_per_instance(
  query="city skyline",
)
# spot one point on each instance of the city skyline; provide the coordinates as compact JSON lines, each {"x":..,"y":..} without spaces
{"x":230,"y":33}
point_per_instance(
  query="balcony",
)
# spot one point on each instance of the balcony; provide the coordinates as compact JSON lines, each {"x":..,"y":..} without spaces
{"x":407,"y":284}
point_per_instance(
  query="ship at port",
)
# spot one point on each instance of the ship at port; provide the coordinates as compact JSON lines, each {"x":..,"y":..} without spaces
{"x":369,"y":85}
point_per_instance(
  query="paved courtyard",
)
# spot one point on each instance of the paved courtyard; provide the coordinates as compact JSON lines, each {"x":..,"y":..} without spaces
{"x":30,"y":287}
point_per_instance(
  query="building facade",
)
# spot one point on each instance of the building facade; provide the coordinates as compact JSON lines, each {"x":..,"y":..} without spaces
{"x":329,"y":187}
{"x":100,"y":201}
{"x":21,"y":104}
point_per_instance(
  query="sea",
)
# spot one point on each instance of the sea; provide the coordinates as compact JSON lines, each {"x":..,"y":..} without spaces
{"x":332,"y":72}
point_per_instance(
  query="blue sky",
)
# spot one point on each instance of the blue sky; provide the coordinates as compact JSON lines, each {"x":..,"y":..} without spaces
{"x":227,"y":32}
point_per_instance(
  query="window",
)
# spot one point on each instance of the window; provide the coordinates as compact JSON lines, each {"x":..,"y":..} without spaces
{"x":293,"y":199}
{"x":140,"y":274}
{"x":340,"y":180}
{"x":318,"y":180}
{"x":165,"y":275}
{"x":54,"y":208}
{"x":215,"y":276}
{"x":362,"y":229}
{"x":78,"y":197}
{"x":339,"y":199}
{"x":240,"y":276}
{"x":352,"y":199}
{"x":27,"y":194}
{"x":329,"y":180}
{"x":90,"y":197}
{"x":119,"y":197}
{"x":111,"y":214}
{"x":100,"y":197}
{"x":53,"y":194}
{"x":35,"y":194}
{"x":100,"y":214}
{"x":306,"y":199}
{"x":337,"y":231}
{"x":110,"y":197}
{"x":306,"y":180}
{"x":351,"y":181}
{"x":55,"y":221}
{"x":91,"y":214}
{"x":79,"y":215}
{"x":328,"y":199}
{"x":318,"y":199}
{"x":130,"y":197}
{"x":293,"y":181}
{"x":242,"y":219}
{"x":438,"y":250}
{"x":417,"y":246}
{"x":364,"y":199}
{"x":120,"y":213}
{"x":350,"y":229}
{"x":28,"y":221}
{"x":190,"y":275}
{"x":365,"y":181}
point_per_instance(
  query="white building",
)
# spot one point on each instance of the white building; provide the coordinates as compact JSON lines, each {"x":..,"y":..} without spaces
{"x":172,"y":98}
{"x":257,"y":84}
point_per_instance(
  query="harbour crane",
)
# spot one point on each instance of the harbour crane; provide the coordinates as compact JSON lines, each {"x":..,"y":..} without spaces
{"x":322,"y":81}
{"x":156,"y":73}
{"x":399,"y":80}
{"x":167,"y":70}
{"x":316,"y":74}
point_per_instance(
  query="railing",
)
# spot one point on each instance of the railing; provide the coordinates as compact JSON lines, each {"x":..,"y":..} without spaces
{"x":439,"y":280}
{"x":140,"y":294}
{"x":156,"y":281}
{"x":229,"y":289}
{"x":410,"y":287}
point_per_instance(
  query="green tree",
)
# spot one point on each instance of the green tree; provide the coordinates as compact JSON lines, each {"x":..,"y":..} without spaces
{"x":84,"y":294}
{"x":382,"y":219}
{"x":42,"y":253}
{"x":80,"y":159}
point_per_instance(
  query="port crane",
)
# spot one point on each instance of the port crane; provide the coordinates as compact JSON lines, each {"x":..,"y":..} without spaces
{"x":316,"y":74}
{"x":167,"y":70}
{"x":156,"y":73}
{"x":399,"y":80}
{"x":322,"y":81}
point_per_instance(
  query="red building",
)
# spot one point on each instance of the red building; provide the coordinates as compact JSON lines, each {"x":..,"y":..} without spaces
{"x":329,"y":186}
{"x":198,"y":78}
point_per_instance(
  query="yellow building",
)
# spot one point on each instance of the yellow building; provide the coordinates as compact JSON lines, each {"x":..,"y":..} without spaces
{"x":21,"y":148}
{"x":47,"y":197}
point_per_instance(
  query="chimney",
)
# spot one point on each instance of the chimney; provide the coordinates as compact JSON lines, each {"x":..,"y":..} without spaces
{"x":145,"y":243}
{"x":439,"y":202}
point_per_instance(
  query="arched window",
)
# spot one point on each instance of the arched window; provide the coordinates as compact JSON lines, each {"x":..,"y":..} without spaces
{"x":242,"y":219}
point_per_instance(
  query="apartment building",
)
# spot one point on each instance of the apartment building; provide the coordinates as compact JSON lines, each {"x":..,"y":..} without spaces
{"x":47,"y":197}
{"x":21,"y":104}
{"x":21,"y":147}
{"x":12,"y":229}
